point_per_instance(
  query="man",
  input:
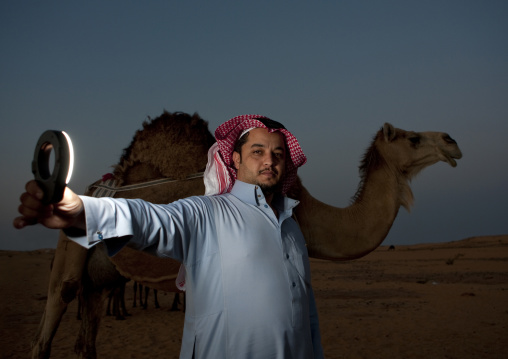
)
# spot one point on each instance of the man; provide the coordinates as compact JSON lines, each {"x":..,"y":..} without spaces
{"x":247,"y":270}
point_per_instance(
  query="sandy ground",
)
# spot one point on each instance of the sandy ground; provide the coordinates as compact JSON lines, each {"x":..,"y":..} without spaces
{"x":446,"y":300}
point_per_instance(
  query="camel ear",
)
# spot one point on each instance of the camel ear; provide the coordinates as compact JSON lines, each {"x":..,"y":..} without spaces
{"x":388,"y":132}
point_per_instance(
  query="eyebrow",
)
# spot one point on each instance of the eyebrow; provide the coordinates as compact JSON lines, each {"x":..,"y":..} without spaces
{"x":263,"y":146}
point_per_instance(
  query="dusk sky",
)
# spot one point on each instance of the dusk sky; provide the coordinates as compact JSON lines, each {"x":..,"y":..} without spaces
{"x":332,"y":71}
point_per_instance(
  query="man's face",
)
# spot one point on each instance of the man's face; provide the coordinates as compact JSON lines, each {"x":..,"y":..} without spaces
{"x":263,"y":160}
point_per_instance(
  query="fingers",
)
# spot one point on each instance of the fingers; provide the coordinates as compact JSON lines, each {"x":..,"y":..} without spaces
{"x":32,"y":187}
{"x":66,"y":213}
{"x":22,"y":222}
{"x":31,"y":208}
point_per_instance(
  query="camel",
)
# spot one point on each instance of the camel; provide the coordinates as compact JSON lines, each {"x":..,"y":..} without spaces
{"x":393,"y":159}
{"x":156,"y":152}
{"x":116,"y":302}
{"x":144,"y":302}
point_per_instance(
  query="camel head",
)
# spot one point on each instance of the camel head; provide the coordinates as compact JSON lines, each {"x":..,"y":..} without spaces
{"x":405,"y":153}
{"x":412,"y":151}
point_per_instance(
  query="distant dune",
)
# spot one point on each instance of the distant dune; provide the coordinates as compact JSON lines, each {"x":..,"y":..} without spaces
{"x":443,"y":300}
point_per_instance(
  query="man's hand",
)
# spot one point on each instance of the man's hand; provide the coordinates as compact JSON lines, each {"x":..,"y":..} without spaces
{"x":69,"y":212}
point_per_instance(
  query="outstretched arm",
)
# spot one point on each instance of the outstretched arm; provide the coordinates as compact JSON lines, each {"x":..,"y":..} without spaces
{"x":68,"y":213}
{"x":164,"y":230}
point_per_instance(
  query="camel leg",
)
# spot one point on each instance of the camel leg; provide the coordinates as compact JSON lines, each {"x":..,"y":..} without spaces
{"x":147,"y":291}
{"x":176,"y":301}
{"x":93,"y":306}
{"x":98,"y":280}
{"x":116,"y":305}
{"x":78,"y":314}
{"x":140,"y":286}
{"x":135,"y":288}
{"x":64,"y":283}
{"x":118,"y":296}
{"x":111,"y":297}
{"x":156,"y":301}
{"x":121,"y":300}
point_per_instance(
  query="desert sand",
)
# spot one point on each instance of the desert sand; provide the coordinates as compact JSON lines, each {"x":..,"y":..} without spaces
{"x":447,"y":300}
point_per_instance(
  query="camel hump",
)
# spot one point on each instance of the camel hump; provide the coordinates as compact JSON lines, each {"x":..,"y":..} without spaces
{"x":173,"y":145}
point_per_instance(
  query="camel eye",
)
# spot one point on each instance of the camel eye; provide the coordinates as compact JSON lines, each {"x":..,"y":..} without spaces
{"x":448,"y":139}
{"x":414,"y":140}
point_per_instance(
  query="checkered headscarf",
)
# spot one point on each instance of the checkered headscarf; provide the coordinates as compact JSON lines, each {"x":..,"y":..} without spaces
{"x":220,"y":174}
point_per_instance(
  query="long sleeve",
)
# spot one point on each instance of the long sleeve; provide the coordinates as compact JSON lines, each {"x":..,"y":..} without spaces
{"x":164,"y":230}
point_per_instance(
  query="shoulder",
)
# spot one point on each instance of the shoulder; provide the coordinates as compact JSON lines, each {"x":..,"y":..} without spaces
{"x":205,"y":202}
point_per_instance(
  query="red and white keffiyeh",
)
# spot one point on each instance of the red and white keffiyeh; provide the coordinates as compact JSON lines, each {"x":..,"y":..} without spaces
{"x":220,"y":173}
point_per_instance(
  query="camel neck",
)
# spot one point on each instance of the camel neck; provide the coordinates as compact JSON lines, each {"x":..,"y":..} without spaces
{"x":351,"y":232}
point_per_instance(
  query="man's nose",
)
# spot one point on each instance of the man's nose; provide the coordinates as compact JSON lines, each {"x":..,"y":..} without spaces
{"x":269,"y":159}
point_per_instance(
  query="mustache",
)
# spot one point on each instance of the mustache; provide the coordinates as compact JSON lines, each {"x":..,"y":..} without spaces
{"x":269,"y":170}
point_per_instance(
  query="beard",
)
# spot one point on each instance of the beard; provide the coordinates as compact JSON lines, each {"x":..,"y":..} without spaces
{"x":273,"y":188}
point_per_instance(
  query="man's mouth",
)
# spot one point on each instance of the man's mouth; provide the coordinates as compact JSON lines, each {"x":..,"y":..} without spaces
{"x":267,"y":172}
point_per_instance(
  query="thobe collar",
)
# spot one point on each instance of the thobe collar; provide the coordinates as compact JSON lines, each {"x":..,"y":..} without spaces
{"x":252,"y":194}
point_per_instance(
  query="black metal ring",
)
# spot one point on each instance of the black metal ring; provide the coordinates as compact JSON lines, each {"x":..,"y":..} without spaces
{"x":52,"y":182}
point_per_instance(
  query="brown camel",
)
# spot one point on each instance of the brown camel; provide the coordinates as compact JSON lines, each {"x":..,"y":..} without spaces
{"x":143,"y":301}
{"x":155,"y":152}
{"x":394,"y":157}
{"x":116,"y":302}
